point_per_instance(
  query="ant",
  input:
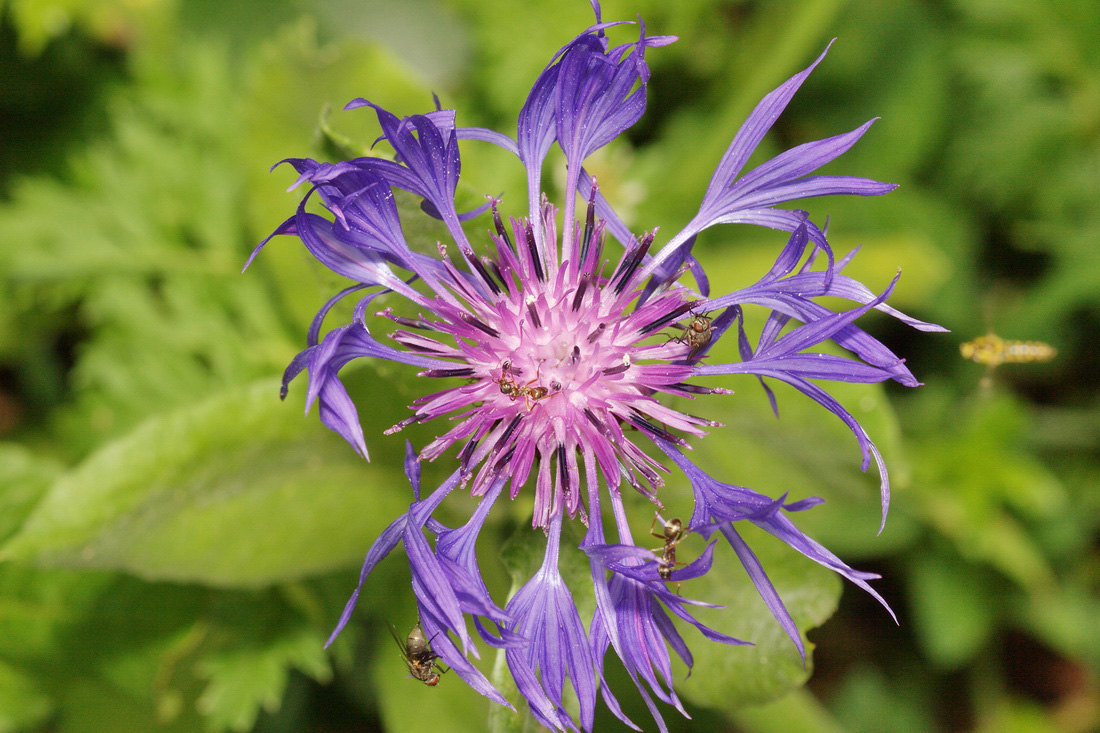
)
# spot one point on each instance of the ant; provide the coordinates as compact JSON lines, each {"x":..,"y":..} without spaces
{"x":515,"y":390}
{"x":418,"y":655}
{"x":672,"y":533}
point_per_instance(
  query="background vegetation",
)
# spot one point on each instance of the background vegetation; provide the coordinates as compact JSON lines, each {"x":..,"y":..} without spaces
{"x":177,"y":543}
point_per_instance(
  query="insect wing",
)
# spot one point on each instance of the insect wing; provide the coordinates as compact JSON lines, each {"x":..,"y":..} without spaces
{"x":410,"y":656}
{"x":397,"y":640}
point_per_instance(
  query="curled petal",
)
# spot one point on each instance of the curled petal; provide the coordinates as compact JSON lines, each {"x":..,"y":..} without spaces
{"x":428,"y":161}
{"x":645,"y":632}
{"x":781,"y":179}
{"x":718,"y":502}
{"x":459,"y":548}
{"x":381,"y":547}
{"x":456,"y":660}
{"x":547,"y":616}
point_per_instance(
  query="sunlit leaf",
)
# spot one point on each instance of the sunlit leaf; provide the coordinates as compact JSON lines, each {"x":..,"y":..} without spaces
{"x":236,"y":490}
{"x":729,"y":678}
{"x":24,"y":478}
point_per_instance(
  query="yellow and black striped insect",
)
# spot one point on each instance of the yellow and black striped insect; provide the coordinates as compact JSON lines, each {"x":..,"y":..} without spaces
{"x":992,"y":351}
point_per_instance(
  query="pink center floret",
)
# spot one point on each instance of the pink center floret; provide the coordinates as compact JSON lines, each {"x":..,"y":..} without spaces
{"x":559,"y":359}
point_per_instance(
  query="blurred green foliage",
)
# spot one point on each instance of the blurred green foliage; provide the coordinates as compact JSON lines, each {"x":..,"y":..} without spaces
{"x":177,"y":543}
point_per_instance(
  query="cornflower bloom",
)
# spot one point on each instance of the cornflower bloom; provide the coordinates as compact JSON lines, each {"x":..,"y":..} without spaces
{"x":555,"y":367}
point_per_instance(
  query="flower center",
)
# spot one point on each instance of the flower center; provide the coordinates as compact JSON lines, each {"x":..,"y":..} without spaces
{"x":567,"y":360}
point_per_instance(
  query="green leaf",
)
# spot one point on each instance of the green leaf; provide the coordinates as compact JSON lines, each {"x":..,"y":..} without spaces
{"x":407,"y":704}
{"x":90,"y":701}
{"x":25,"y":478}
{"x":23,"y":706}
{"x":39,"y":609}
{"x":245,"y":679}
{"x":108,"y":21}
{"x":148,"y":286}
{"x":900,"y":72}
{"x":729,"y":678}
{"x":238,"y":490}
{"x":976,"y":480}
{"x":798,"y":710}
{"x":953,"y":607}
{"x":866,"y":691}
{"x":501,"y":719}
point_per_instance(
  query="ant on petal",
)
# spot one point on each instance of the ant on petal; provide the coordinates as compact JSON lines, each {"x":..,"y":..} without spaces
{"x":515,"y":390}
{"x":672,"y":532}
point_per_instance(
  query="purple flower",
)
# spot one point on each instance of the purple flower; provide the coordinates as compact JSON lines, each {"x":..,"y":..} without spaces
{"x":548,"y":343}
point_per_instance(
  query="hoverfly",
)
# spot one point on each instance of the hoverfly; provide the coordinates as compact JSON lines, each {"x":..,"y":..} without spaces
{"x":672,"y":532}
{"x":992,"y":351}
{"x":418,"y":656}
